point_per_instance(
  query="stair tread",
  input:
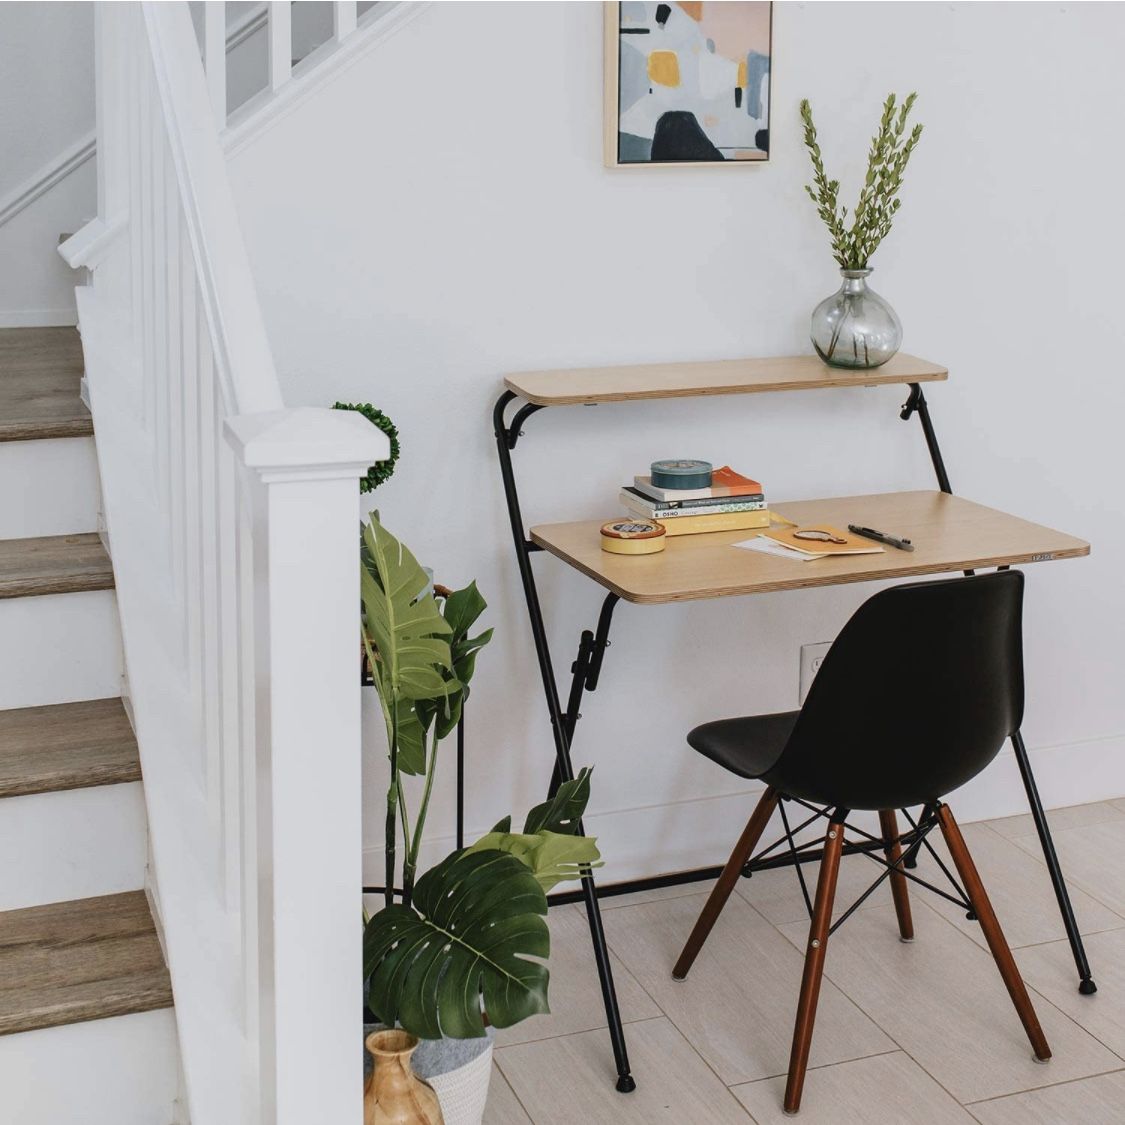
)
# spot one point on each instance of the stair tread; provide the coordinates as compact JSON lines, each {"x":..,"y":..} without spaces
{"x":69,"y":962}
{"x":40,"y":376}
{"x":66,"y":746}
{"x":53,"y":564}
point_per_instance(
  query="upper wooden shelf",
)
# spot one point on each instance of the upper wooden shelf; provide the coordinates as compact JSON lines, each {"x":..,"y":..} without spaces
{"x":588,"y":385}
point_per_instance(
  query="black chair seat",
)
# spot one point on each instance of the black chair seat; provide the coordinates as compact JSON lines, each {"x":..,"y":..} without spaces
{"x":747,"y":746}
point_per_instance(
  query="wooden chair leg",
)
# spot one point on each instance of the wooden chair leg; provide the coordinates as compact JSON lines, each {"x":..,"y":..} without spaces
{"x":974,"y":888}
{"x":888,"y":824}
{"x":747,"y":842}
{"x":814,"y":964}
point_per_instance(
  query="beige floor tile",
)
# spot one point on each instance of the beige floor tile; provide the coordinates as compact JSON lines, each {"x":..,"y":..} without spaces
{"x":1049,"y":969}
{"x":657,"y":894}
{"x":1018,"y":885}
{"x":887,"y":1089}
{"x":737,"y":1005}
{"x":575,"y":994}
{"x":570,"y":1081}
{"x":777,"y":893}
{"x":503,"y":1106}
{"x":1118,"y":804}
{"x":1091,"y":1101}
{"x":1074,"y":816}
{"x":942,"y":1000}
{"x":1090,"y":857}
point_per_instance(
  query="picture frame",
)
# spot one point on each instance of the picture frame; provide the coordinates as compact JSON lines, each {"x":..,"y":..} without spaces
{"x":707,"y":68}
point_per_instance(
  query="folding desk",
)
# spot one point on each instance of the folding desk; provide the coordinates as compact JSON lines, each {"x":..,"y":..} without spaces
{"x":950,"y":534}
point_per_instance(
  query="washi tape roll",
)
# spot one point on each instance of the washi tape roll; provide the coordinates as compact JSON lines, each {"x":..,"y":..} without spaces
{"x":633,"y":537}
{"x":681,"y":474}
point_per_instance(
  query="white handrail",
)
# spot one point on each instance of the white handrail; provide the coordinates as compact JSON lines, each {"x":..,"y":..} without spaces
{"x":231,"y":523}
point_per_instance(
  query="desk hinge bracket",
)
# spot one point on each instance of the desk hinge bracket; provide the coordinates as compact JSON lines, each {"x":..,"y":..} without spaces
{"x":915,"y":400}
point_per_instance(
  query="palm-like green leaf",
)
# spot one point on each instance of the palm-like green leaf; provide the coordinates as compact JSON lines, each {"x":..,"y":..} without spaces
{"x":461,"y":610}
{"x":551,"y":857}
{"x":564,"y":810}
{"x":476,"y":920}
{"x":405,"y":626}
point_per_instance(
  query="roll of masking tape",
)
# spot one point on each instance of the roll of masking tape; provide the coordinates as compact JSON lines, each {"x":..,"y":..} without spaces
{"x":681,"y":474}
{"x":633,"y":537}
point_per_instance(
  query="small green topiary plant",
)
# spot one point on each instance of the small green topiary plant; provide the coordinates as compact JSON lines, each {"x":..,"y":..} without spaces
{"x":383,"y":470}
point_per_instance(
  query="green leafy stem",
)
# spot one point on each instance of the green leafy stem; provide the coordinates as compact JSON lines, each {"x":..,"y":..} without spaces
{"x":878,"y":203}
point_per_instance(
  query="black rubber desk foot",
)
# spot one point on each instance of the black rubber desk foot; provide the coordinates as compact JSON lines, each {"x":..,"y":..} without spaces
{"x":1087,"y":988}
{"x":626,"y":1084}
{"x":911,"y":862}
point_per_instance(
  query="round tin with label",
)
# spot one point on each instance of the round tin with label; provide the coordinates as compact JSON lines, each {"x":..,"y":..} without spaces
{"x":681,"y":474}
{"x":633,"y":537}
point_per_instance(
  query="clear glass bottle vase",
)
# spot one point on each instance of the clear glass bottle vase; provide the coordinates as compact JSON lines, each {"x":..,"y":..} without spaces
{"x":855,"y":327}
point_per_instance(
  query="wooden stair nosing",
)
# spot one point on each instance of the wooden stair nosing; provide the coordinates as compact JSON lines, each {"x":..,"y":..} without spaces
{"x":70,"y":962}
{"x":54,"y":564}
{"x":66,"y":746}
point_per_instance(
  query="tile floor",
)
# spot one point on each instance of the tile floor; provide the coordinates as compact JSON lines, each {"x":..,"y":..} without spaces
{"x":918,"y":1034}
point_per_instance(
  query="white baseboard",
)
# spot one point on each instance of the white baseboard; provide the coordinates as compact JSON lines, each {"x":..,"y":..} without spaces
{"x":38,"y":318}
{"x":643,"y":842}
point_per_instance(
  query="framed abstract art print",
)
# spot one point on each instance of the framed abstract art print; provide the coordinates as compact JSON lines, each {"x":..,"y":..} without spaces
{"x":687,"y":83}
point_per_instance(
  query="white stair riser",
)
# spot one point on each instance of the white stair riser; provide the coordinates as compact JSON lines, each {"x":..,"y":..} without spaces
{"x":118,"y":1071}
{"x":59,"y":648}
{"x":79,"y":843}
{"x":52,"y":487}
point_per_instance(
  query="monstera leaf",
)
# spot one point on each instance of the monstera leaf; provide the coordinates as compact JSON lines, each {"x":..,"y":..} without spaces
{"x":407,"y":638}
{"x":475,"y":921}
{"x":403,"y":621}
{"x":551,"y":857}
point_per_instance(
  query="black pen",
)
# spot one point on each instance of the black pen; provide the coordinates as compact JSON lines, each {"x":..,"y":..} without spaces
{"x":882,"y":537}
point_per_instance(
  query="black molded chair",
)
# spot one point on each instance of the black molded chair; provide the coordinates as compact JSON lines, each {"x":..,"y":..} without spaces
{"x":915,"y":697}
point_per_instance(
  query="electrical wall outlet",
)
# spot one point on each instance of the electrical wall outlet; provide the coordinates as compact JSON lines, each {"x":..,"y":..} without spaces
{"x":812,"y":656}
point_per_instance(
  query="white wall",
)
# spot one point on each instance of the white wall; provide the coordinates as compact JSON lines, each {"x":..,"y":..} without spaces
{"x":440,"y":215}
{"x":46,"y":106}
{"x":46,"y":83}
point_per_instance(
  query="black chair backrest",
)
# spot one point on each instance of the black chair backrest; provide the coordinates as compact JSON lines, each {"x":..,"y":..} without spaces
{"x":916,"y":696}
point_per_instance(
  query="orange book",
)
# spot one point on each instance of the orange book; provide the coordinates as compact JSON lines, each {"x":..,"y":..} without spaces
{"x":726,"y":482}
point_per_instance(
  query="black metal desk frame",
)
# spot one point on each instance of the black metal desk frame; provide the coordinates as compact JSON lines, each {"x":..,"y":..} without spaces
{"x":585,"y":672}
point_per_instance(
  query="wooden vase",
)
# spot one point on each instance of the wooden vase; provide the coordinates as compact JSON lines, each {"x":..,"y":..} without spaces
{"x":394,"y":1094}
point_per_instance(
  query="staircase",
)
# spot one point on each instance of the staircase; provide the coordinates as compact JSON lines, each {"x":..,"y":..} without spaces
{"x":86,"y":1028}
{"x":180,"y":902}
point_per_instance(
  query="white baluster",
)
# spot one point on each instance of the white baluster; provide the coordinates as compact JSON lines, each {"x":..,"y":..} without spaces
{"x":281,"y":43}
{"x":344,"y":17}
{"x":215,"y":57}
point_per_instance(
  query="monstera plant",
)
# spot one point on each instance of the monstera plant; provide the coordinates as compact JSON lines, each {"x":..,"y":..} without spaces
{"x":466,"y":943}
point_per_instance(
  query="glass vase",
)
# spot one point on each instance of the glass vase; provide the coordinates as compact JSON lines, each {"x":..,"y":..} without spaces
{"x":855,"y":327}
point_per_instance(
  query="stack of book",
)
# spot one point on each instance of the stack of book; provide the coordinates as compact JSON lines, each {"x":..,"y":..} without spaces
{"x":732,"y":503}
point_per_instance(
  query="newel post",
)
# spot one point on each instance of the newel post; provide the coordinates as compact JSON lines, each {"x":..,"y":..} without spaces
{"x":304,"y":854}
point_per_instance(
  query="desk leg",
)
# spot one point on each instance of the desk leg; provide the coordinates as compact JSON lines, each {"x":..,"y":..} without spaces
{"x":916,"y":404}
{"x":562,"y":725}
{"x":1086,"y":983}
